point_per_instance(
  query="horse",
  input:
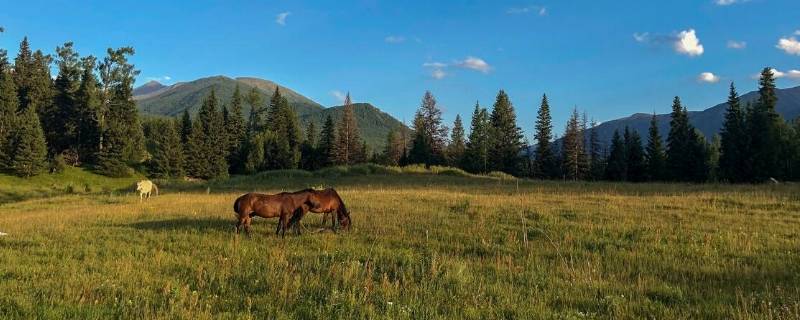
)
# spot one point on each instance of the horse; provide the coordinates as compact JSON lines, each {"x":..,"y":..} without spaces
{"x":326,"y":202}
{"x":146,"y":187}
{"x":281,"y":205}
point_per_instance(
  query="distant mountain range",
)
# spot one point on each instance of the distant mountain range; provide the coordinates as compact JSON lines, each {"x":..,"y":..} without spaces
{"x":153,"y":98}
{"x":708,"y":121}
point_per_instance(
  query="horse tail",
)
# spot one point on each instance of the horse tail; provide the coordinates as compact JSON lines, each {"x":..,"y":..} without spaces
{"x":155,"y":187}
{"x":236,"y":205}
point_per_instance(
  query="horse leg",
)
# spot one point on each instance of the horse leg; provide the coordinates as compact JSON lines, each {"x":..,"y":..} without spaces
{"x":247,"y":226}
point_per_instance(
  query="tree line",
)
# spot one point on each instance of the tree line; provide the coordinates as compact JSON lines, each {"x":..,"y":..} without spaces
{"x":86,"y":116}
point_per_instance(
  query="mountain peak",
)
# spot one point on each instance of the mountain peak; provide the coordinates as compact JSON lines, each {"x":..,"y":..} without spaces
{"x":147,"y":88}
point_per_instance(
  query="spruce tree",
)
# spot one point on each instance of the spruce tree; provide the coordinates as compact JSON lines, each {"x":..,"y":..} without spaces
{"x":235,"y":130}
{"x":545,"y":161}
{"x":89,"y":112}
{"x":734,"y":153}
{"x":348,"y":140}
{"x":394,"y":147}
{"x":476,"y":156}
{"x":678,"y":142}
{"x":327,"y":141}
{"x":167,"y":154}
{"x":596,"y":159}
{"x":254,"y":161}
{"x":185,"y":127}
{"x":9,"y":103}
{"x":457,"y":146}
{"x":282,"y":121}
{"x":572,"y":148}
{"x":505,"y":137}
{"x":206,"y":157}
{"x":117,"y":77}
{"x":764,"y":131}
{"x":634,"y":154}
{"x":28,"y":149}
{"x":617,"y":164}
{"x":428,"y":144}
{"x":255,"y":121}
{"x":655,"y":157}
{"x":61,"y":118}
{"x":309,"y":159}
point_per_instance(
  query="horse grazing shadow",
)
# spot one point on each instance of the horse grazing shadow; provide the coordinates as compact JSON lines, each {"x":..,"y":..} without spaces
{"x":185,"y":224}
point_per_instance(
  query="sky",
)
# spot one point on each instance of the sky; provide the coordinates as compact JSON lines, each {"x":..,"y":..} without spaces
{"x":609,"y":59}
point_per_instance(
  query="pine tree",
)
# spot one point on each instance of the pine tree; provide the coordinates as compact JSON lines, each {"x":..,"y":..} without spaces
{"x":655,"y":157}
{"x":733,"y":162}
{"x":634,"y":154}
{"x":545,"y":161}
{"x":236,"y":131}
{"x":678,"y":142}
{"x":204,"y":157}
{"x":597,"y":162}
{"x":28,"y":149}
{"x":167,"y":154}
{"x":764,"y":128}
{"x":117,"y":77}
{"x":505,"y":137}
{"x":394,"y":147}
{"x":61,"y":117}
{"x":572,"y":148}
{"x":428,"y":144}
{"x":476,"y":156}
{"x":348,"y":140}
{"x":9,"y":104}
{"x":254,"y":161}
{"x":282,"y":121}
{"x":89,"y":113}
{"x":457,"y":146}
{"x":23,"y":73}
{"x":309,"y":159}
{"x":327,"y":141}
{"x":255,"y":121}
{"x":617,"y":164}
{"x":185,"y":127}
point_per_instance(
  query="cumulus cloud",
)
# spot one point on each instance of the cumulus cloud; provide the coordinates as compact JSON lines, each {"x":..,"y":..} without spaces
{"x":794,"y":74}
{"x":338,"y":95}
{"x":394,"y":39}
{"x":688,"y":43}
{"x":684,"y":42}
{"x":474,"y":63}
{"x":729,"y":2}
{"x":789,"y":45}
{"x":539,"y":10}
{"x":281,"y":18}
{"x":777,"y":74}
{"x":159,"y":79}
{"x":738,"y":45}
{"x":708,"y":77}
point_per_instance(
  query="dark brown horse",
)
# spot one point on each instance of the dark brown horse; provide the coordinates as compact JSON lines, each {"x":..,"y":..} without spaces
{"x":282,"y":205}
{"x":326,"y":202}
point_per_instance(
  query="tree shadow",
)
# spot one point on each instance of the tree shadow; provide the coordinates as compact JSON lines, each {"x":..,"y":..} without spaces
{"x":186,"y":224}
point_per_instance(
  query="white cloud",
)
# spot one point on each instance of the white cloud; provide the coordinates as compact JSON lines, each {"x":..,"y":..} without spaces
{"x":789,"y":45}
{"x":641,"y":37}
{"x":438,"y":74}
{"x":688,"y":43}
{"x":797,"y":33}
{"x":474,"y":63}
{"x":794,"y":74}
{"x":738,"y":45}
{"x":281,"y":18}
{"x":777,"y":74}
{"x":729,"y":2}
{"x":540,"y":10}
{"x":395,"y":39}
{"x":434,"y":65}
{"x":708,"y":77}
{"x":159,"y":79}
{"x":340,"y":96}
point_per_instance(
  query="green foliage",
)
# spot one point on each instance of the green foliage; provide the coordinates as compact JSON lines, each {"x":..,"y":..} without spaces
{"x":347,"y":148}
{"x":428,"y":142}
{"x":687,"y":151}
{"x":764,"y":126}
{"x":505,"y":137}
{"x":635,"y":157}
{"x":327,"y":143}
{"x":545,"y":165}
{"x":164,"y":145}
{"x":27,"y":148}
{"x":655,"y":158}
{"x":476,"y":156}
{"x":734,"y":161}
{"x":573,"y":150}
{"x":617,"y":163}
{"x":206,"y":148}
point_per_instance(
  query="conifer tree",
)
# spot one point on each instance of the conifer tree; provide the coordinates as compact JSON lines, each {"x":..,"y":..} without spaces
{"x":678,"y":142}
{"x":617,"y":164}
{"x":545,"y":161}
{"x":117,"y":76}
{"x":236,"y":131}
{"x":636,"y":168}
{"x":505,"y":137}
{"x":254,"y":161}
{"x":764,"y":123}
{"x":734,"y":153}
{"x":572,"y":148}
{"x":9,"y":104}
{"x":185,"y":127}
{"x":394,"y":147}
{"x":89,"y":112}
{"x":457,"y":146}
{"x":348,"y":140}
{"x":597,"y":161}
{"x":309,"y":158}
{"x":327,"y":141}
{"x":655,"y":157}
{"x":430,"y":134}
{"x":27,"y":147}
{"x":167,"y":154}
{"x":61,"y":117}
{"x":206,"y":158}
{"x":476,"y":156}
{"x":255,"y":121}
{"x":282,"y":121}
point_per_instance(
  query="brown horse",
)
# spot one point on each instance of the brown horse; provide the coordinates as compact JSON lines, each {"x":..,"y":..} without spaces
{"x":326,"y":202}
{"x":282,"y":205}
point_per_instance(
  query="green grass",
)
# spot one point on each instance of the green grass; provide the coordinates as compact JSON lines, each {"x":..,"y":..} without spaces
{"x":70,"y":181}
{"x":425,"y":244}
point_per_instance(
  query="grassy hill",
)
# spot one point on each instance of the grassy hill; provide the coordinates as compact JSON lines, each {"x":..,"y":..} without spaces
{"x":71,"y":181}
{"x":172,"y":101}
{"x":423,"y":246}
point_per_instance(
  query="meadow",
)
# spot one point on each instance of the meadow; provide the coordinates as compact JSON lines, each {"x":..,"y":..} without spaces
{"x":425,"y":244}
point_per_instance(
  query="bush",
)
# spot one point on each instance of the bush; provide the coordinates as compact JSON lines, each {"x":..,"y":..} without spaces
{"x":58,"y":164}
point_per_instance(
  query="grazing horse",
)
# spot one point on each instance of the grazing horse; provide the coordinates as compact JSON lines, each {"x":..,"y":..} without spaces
{"x":146,"y":187}
{"x":326,"y":202}
{"x":282,"y":205}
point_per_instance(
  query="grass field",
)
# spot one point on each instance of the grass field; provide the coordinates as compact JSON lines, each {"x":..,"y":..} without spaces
{"x":423,"y":246}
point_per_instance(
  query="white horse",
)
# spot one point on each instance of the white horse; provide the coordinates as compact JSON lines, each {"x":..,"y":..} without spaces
{"x":146,"y":187}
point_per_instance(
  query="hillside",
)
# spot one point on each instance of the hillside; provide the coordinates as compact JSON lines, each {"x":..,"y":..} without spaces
{"x":153,"y":100}
{"x":709,"y":121}
{"x":373,"y":123}
{"x":171,"y":101}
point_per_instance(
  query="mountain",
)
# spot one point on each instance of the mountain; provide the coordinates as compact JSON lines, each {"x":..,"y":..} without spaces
{"x":373,"y":123}
{"x":148,"y":88}
{"x":171,"y":101}
{"x":708,"y":121}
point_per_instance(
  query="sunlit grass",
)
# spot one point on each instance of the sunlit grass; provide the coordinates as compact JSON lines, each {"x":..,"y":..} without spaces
{"x":423,"y":246}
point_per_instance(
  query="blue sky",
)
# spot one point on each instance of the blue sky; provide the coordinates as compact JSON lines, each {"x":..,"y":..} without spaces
{"x":609,"y":58}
